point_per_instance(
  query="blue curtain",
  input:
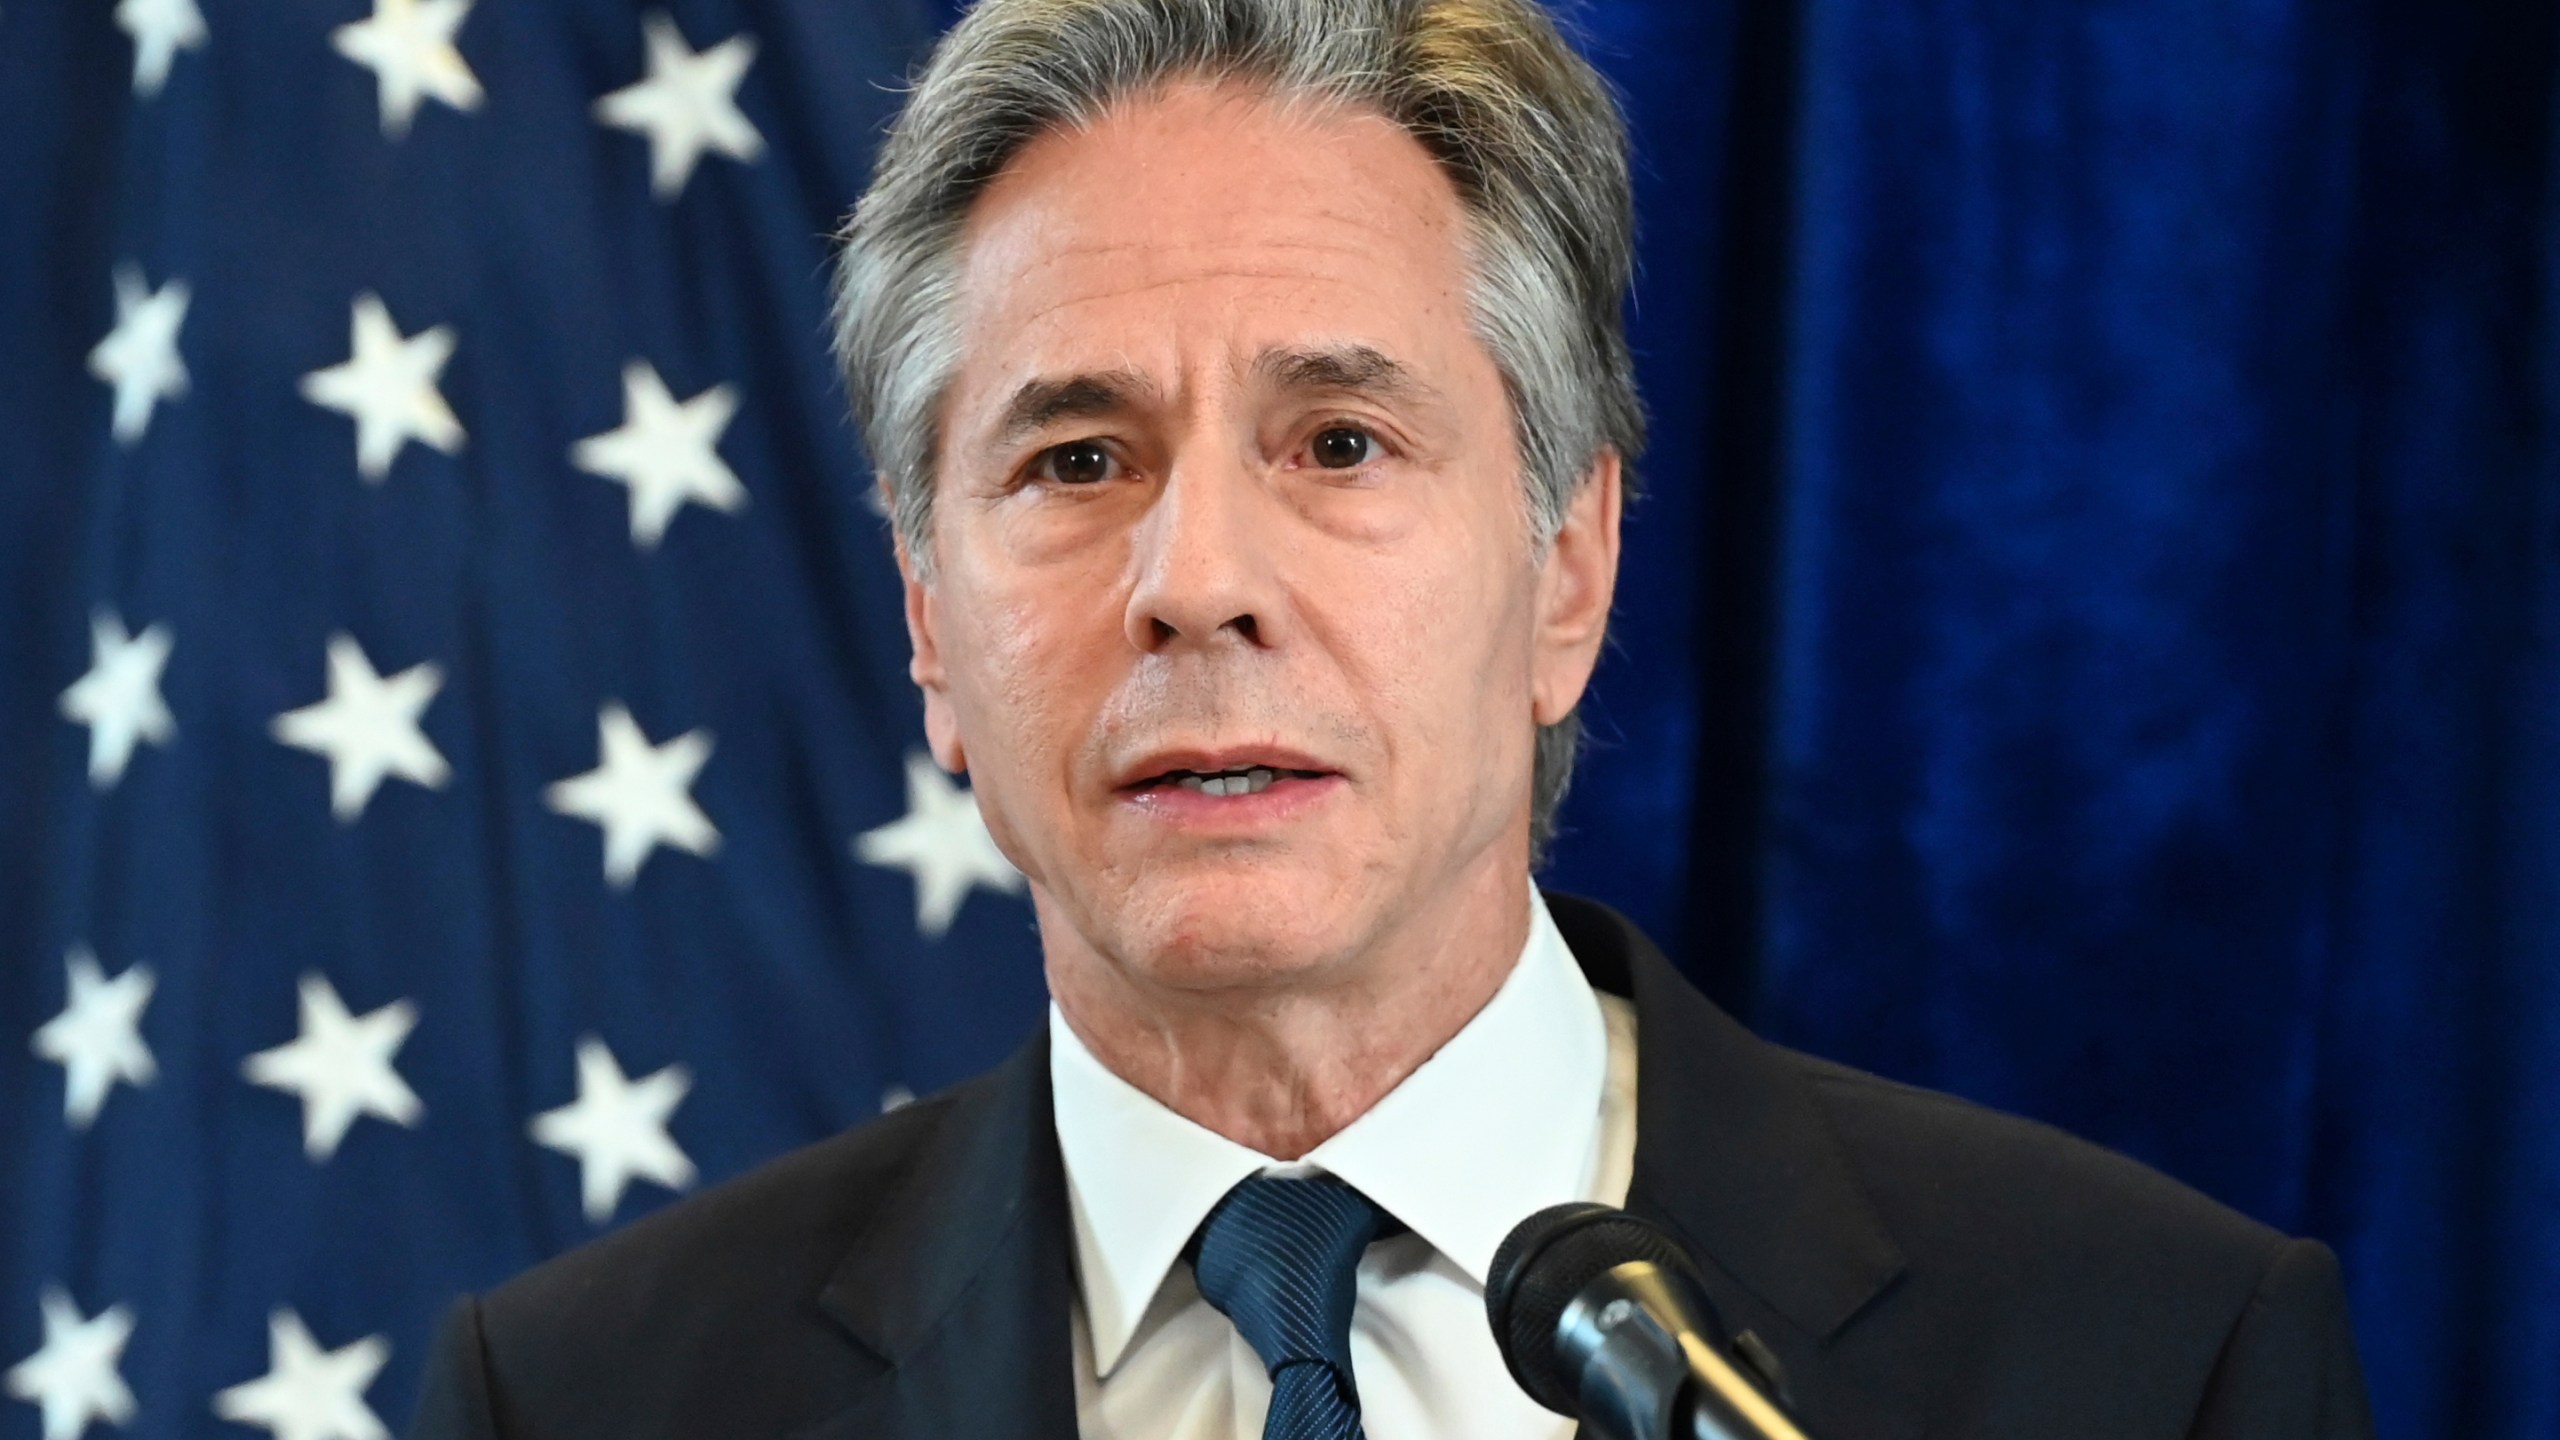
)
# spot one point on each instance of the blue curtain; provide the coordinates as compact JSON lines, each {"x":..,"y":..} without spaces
{"x":2090,"y":646}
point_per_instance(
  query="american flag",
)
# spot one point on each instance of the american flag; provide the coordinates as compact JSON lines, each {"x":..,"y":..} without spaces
{"x":462,"y":788}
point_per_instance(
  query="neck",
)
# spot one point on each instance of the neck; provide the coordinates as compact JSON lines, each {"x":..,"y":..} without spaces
{"x":1281,"y":1068}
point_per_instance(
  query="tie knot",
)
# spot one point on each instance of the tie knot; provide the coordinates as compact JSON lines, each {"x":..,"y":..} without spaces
{"x":1281,"y":1258}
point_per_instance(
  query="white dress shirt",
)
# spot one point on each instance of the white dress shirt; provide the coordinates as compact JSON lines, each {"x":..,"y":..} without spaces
{"x":1530,"y":1105}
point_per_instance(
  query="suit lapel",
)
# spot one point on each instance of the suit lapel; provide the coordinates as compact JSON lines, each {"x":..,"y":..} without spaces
{"x":1735,"y":1156}
{"x":961,"y":1288}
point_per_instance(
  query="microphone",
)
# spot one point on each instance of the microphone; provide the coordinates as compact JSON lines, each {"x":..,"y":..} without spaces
{"x":1602,"y":1317}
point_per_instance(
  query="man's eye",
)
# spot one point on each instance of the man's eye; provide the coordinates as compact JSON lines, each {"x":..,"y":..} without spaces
{"x":1343,"y":447}
{"x":1078,"y":462}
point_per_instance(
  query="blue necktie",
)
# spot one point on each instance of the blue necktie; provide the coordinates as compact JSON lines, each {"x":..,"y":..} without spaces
{"x":1280,"y":1258}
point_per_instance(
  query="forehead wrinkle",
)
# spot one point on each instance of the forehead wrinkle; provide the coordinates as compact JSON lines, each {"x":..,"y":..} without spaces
{"x":1104,"y":294}
{"x":1317,"y":233}
{"x":1027,"y":250}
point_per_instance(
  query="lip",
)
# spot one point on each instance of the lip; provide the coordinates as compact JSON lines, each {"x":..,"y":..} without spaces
{"x":1137,"y":778}
{"x":1290,"y":797}
{"x":1233,"y":817}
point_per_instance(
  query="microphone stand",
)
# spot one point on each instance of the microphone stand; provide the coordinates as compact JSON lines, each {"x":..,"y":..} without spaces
{"x":1636,"y":1337}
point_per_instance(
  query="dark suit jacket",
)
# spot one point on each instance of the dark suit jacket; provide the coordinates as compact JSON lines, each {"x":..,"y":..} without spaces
{"x":1919,"y":1266}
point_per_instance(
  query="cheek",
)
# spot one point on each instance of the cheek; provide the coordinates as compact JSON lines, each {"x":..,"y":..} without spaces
{"x":1445,"y":642}
{"x":1026,"y":658}
{"x":1006,"y":711}
{"x":996,"y":681}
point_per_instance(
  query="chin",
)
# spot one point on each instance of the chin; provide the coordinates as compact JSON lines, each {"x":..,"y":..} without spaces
{"x":1215,"y":927}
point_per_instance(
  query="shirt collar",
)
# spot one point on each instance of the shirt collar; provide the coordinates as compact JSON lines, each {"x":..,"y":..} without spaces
{"x":1503,"y":1120}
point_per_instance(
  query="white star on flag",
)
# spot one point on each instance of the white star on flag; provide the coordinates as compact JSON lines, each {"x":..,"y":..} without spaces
{"x":309,"y":1393}
{"x":160,"y":29}
{"x":341,"y":1067}
{"x":139,"y":357}
{"x":119,"y":699}
{"x":97,"y":1039}
{"x":617,"y":1129}
{"x":388,"y":385}
{"x":664,"y":451}
{"x":641,"y":795}
{"x":943,"y":842}
{"x":368,"y":727}
{"x":73,"y":1379}
{"x":688,"y":104}
{"x":408,"y":45}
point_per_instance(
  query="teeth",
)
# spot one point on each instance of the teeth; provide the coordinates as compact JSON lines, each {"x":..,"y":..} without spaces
{"x":1231,"y":782}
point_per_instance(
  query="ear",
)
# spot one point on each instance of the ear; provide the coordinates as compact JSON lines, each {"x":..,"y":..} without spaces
{"x":924,"y":666}
{"x":1576,"y":585}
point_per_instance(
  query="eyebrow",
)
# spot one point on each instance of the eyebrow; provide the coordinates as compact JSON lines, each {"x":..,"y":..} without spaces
{"x":1338,"y":370}
{"x":1040,"y":404}
{"x":1344,"y":370}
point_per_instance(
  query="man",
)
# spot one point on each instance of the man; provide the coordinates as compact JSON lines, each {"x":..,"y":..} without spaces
{"x":1247,"y":383}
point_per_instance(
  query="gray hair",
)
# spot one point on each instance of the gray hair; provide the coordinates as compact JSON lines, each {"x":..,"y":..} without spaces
{"x":1521,"y":124}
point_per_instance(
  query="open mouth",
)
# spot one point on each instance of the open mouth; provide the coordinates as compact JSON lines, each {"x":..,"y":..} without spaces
{"x":1245,"y":780}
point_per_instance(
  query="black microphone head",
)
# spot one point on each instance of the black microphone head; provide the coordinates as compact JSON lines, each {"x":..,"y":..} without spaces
{"x":1544,"y":1262}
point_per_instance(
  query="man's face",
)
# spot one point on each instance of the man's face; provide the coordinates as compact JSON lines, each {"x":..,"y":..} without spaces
{"x":1234,"y":617}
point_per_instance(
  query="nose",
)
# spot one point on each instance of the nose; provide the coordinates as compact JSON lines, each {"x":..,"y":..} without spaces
{"x":1205,"y":562}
